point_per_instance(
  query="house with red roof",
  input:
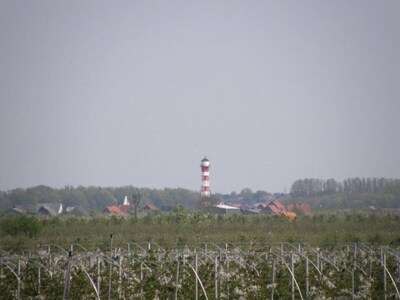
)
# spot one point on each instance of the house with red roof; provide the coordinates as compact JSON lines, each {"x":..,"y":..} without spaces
{"x":272,"y":208}
{"x":115,"y":210}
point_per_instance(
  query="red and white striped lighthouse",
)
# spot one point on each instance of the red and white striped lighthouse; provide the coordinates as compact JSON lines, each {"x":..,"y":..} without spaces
{"x":205,"y":178}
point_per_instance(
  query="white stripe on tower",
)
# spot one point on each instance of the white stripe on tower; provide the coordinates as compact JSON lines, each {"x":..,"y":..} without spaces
{"x":205,"y":177}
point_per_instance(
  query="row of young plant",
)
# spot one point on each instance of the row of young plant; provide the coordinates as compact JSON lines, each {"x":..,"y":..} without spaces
{"x":206,"y":271}
{"x":20,"y":232}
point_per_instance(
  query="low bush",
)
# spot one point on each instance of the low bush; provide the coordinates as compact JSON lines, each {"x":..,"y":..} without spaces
{"x":21,"y":225}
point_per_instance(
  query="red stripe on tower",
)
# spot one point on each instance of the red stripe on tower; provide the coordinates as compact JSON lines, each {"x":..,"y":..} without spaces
{"x":205,"y":177}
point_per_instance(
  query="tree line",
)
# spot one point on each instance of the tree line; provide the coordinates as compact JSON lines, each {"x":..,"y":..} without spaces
{"x":319,"y":193}
{"x":313,"y":186}
{"x":95,"y":199}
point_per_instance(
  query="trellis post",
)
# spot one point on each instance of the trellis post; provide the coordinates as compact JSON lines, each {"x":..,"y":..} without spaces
{"x":111,"y":265}
{"x":177,"y":279}
{"x":19,"y":279}
{"x":307,"y":284}
{"x":227,"y":278}
{"x":39,"y":279}
{"x":98,"y":273}
{"x":273,"y":280}
{"x":120,"y":276}
{"x":384,"y":274}
{"x":292,"y":276}
{"x":352,"y":281}
{"x":67,"y":276}
{"x":196,"y":286}
{"x":216,"y":277}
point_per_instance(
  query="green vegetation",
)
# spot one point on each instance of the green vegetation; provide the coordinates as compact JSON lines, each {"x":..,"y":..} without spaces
{"x":21,"y":225}
{"x":180,"y":227}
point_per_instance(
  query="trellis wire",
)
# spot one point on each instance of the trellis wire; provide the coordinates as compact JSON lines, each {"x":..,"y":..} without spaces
{"x":193,"y":263}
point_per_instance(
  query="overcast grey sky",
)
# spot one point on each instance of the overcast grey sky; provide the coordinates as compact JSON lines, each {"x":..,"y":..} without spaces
{"x":113,"y":93}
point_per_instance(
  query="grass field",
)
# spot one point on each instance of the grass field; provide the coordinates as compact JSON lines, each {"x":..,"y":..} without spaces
{"x":180,"y":227}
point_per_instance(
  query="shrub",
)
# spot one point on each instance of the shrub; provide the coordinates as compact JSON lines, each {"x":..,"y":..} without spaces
{"x":21,"y":225}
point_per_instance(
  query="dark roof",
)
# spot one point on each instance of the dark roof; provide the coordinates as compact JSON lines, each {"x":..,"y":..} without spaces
{"x":45,"y":210}
{"x":49,"y":208}
{"x":150,"y":207}
{"x":204,"y":159}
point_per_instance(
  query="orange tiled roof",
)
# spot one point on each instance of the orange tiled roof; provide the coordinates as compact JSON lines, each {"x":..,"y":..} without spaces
{"x":113,"y":210}
{"x":275,"y":210}
{"x":125,"y":208}
{"x":278,"y":205}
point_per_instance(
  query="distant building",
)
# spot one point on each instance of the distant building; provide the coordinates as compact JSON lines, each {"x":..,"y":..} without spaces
{"x":278,"y":209}
{"x":17,"y":210}
{"x":76,"y":210}
{"x":120,"y":210}
{"x":49,"y":209}
{"x":125,"y":210}
{"x":223,"y":209}
{"x":149,"y":208}
{"x":273,"y":208}
{"x":269,"y":210}
{"x":248,"y":211}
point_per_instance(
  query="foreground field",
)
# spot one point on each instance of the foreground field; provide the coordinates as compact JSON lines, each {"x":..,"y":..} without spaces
{"x":208,"y":271}
{"x":200,"y":256}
